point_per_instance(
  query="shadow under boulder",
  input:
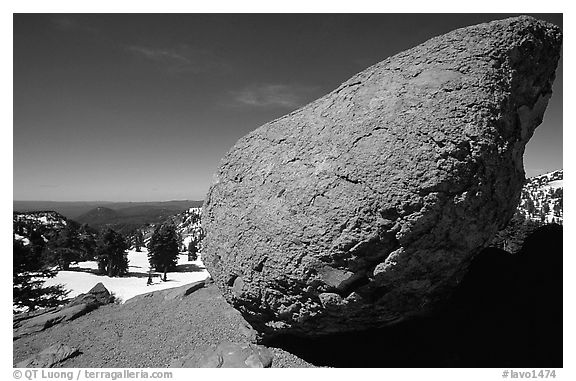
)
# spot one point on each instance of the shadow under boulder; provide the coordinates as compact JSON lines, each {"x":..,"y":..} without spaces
{"x":506,"y":312}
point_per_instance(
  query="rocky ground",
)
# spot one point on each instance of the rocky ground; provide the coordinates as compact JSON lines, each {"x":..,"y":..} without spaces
{"x":152,"y":330}
{"x":506,"y":313}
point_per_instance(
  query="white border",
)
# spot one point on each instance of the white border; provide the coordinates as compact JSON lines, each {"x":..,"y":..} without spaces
{"x":300,"y":6}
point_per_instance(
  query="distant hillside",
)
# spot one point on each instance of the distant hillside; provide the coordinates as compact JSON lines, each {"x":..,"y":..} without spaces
{"x":42,"y":229}
{"x":41,"y":218}
{"x":130,"y":216}
{"x":542,"y":198}
{"x":74,"y":209}
{"x":98,"y":216}
{"x":44,"y":223}
{"x":187,"y":224}
{"x":540,"y":204}
{"x":67,"y":209}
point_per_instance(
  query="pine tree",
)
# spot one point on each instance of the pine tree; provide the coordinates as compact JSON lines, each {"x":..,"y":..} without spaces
{"x":28,"y":276}
{"x":558,"y":207}
{"x":192,"y":250}
{"x":87,"y":242}
{"x":37,"y":244}
{"x":546,"y":207}
{"x":64,"y":248}
{"x":111,"y":254}
{"x":138,"y":241}
{"x":530,"y":207}
{"x":163,"y":248}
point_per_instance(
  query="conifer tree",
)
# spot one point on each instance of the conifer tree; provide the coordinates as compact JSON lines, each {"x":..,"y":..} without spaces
{"x":64,"y":248}
{"x":192,"y":250}
{"x":28,"y":277}
{"x":138,"y":240}
{"x":111,"y":254}
{"x":163,"y":248}
{"x":87,"y":242}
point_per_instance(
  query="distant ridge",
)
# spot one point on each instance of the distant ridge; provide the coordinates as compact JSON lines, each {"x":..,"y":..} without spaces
{"x":98,"y":215}
{"x":74,"y":209}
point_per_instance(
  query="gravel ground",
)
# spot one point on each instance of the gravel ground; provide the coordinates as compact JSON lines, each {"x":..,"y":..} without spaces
{"x":148,"y":332}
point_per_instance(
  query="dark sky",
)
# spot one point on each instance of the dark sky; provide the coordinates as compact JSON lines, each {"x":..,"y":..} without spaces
{"x":143,"y":107}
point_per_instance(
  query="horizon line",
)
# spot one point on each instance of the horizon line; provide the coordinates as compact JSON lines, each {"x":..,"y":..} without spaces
{"x":97,"y":201}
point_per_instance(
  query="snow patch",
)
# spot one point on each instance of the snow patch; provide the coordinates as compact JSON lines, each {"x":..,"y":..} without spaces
{"x":80,"y":278}
{"x":556,"y":184}
{"x":24,"y":240}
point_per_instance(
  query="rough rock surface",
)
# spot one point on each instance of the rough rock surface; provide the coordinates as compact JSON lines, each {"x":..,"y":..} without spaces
{"x":367,"y":205}
{"x":183,"y":291}
{"x":229,"y":355}
{"x":97,"y":296}
{"x":176,"y":293}
{"x":80,"y":305}
{"x":49,"y":357}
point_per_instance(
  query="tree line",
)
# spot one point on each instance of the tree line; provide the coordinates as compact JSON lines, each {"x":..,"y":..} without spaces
{"x":49,"y":250}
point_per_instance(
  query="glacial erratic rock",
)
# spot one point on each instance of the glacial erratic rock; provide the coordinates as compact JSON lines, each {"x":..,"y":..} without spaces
{"x":367,"y":205}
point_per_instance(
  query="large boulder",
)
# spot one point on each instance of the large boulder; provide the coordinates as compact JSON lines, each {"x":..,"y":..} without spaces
{"x":367,"y":205}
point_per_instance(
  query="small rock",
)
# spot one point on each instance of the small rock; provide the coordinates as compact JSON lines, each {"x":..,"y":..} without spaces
{"x":208,"y":280}
{"x":250,"y":333}
{"x":98,"y":295}
{"x":232,"y":355}
{"x":80,"y":305}
{"x":180,"y":292}
{"x":43,"y":321}
{"x":330,"y":299}
{"x":49,"y":357}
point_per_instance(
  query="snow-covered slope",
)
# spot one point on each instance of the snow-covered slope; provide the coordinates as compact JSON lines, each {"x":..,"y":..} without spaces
{"x":187,"y":225}
{"x":81,"y":279}
{"x":32,"y":227}
{"x":542,"y":197}
{"x":42,"y":223}
{"x":49,"y":218}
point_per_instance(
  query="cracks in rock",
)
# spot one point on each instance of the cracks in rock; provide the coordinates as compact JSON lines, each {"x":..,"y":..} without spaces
{"x":294,"y":159}
{"x":362,"y":258}
{"x":363,"y":136}
{"x":352,"y":284}
{"x":260,"y":266}
{"x":360,"y":138}
{"x":231,"y":280}
{"x":347,"y":86}
{"x":348,"y":179}
{"x":323,"y":194}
